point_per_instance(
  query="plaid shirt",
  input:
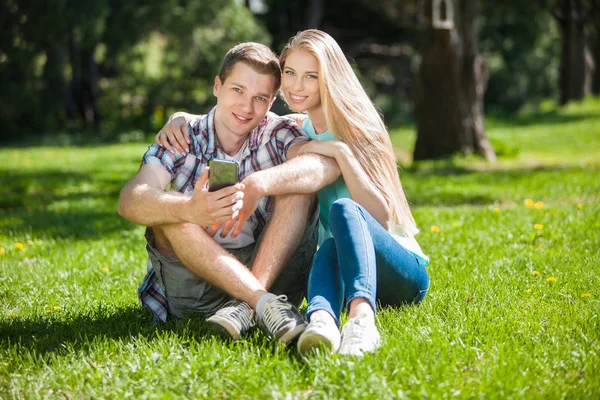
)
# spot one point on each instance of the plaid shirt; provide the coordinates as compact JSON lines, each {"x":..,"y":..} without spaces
{"x":267,"y":147}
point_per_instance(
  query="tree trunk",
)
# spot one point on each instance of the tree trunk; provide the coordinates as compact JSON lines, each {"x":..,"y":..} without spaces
{"x":595,"y":46}
{"x":596,"y":76}
{"x":84,"y":84}
{"x":55,"y":88}
{"x":449,"y":88}
{"x":576,"y":65}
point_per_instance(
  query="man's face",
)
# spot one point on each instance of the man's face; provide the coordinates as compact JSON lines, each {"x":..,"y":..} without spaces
{"x":243,"y":100}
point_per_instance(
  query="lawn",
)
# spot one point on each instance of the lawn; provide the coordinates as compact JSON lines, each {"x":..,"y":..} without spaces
{"x":512,"y":310}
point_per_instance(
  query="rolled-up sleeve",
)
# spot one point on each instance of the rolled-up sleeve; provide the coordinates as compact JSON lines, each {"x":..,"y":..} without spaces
{"x":289,"y":135}
{"x":156,"y":155}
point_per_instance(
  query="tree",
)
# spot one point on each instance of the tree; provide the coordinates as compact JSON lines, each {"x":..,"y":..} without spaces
{"x":576,"y":63}
{"x":449,"y":88}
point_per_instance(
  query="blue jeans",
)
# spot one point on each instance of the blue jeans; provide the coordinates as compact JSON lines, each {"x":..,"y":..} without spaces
{"x":362,"y":260}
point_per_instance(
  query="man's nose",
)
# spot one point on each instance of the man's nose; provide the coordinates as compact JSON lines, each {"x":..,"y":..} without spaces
{"x":247,"y":105}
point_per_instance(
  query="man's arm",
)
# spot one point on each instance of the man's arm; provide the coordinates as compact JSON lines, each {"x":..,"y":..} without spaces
{"x":144,"y":201}
{"x":306,"y":173}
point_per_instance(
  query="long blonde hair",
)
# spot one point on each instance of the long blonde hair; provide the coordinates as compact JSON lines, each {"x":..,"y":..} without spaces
{"x":353,"y":118}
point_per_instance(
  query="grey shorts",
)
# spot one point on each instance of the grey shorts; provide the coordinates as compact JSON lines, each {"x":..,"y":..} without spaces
{"x":187,"y":293}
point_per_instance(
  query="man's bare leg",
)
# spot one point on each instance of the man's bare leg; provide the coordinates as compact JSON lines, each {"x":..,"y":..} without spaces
{"x":283,"y":233}
{"x":202,"y":255}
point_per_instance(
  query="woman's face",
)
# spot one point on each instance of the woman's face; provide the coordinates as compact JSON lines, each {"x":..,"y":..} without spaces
{"x":300,"y":81}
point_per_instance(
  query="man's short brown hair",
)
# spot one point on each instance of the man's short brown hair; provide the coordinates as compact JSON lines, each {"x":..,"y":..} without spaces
{"x":257,"y":56}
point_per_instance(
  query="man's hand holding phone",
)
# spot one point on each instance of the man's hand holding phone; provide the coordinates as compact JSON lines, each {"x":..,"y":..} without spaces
{"x":214,"y":208}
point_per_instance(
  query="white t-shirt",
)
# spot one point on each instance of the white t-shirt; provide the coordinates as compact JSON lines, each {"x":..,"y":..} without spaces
{"x":246,"y":236}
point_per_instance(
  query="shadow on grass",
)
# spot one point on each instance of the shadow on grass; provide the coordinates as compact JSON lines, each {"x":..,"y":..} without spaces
{"x":63,"y":204}
{"x":553,"y":117}
{"x":48,"y":335}
{"x":445,"y":184}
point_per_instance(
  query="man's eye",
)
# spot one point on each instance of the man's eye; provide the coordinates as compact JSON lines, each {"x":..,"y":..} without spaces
{"x":260,"y":98}
{"x":238,"y":90}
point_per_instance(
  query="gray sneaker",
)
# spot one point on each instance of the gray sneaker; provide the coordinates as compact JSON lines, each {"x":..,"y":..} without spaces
{"x":282,"y":320}
{"x":233,"y":320}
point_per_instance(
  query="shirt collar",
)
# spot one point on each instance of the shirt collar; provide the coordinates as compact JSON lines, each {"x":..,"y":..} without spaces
{"x":208,"y":126}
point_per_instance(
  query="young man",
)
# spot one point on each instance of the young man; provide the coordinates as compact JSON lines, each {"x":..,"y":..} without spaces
{"x":191,"y":269}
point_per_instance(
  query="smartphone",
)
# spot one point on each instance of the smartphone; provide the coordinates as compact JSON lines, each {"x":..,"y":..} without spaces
{"x":222,"y":173}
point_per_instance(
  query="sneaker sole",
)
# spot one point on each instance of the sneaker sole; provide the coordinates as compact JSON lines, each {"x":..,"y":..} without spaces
{"x":223,"y":329}
{"x":293,"y":333}
{"x":311,"y":342}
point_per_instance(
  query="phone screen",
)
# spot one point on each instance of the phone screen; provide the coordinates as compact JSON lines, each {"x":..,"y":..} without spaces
{"x":222,"y":173}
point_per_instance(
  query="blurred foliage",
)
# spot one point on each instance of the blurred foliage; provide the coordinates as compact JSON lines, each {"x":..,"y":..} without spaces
{"x":521,"y":44}
{"x":148,"y":58}
{"x":111,"y":70}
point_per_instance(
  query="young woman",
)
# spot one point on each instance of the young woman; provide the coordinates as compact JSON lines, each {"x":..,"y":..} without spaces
{"x":368,"y":253}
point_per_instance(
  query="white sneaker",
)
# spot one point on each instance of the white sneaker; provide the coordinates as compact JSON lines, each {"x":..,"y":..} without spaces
{"x":359,"y":336}
{"x":319,"y":334}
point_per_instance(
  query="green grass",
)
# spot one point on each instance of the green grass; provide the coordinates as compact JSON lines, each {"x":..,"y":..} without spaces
{"x":71,"y":327}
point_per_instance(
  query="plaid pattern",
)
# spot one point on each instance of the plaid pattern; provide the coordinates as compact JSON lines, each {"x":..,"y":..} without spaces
{"x":152,"y":295}
{"x":267,"y":147}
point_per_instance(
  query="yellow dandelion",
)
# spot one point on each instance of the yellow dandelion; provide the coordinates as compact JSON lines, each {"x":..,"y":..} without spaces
{"x":528,"y":290}
{"x":56,"y":307}
{"x":29,"y":242}
{"x":541,"y":245}
{"x":48,"y":311}
{"x":19,"y":246}
{"x":435,"y":229}
{"x":551,"y":279}
{"x":2,"y":251}
{"x":104,"y":269}
{"x":580,"y":206}
{"x":538,"y":205}
{"x":528,"y":203}
{"x":538,"y":227}
{"x":584,"y":295}
{"x":12,"y":314}
{"x":535,"y":273}
{"x":496,"y":210}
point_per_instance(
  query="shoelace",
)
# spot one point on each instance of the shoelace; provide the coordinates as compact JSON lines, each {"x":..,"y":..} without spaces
{"x":240,"y":311}
{"x":355,"y":332}
{"x":278,"y":312}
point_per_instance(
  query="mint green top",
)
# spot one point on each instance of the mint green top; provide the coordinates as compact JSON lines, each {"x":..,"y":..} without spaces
{"x":338,"y":190}
{"x":329,"y":194}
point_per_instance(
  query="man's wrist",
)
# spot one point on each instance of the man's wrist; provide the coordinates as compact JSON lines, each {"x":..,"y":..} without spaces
{"x":257,"y":184}
{"x":183,"y":210}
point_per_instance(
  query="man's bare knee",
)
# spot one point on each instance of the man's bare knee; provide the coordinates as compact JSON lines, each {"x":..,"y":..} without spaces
{"x":296,"y":202}
{"x":165,"y":235}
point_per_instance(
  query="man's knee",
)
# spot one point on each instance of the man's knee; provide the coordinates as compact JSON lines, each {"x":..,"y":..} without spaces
{"x":294,"y":202}
{"x":165,"y":235}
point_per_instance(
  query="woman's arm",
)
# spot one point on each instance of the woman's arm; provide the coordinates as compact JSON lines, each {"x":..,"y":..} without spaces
{"x":359,"y":185}
{"x":174,"y":136}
